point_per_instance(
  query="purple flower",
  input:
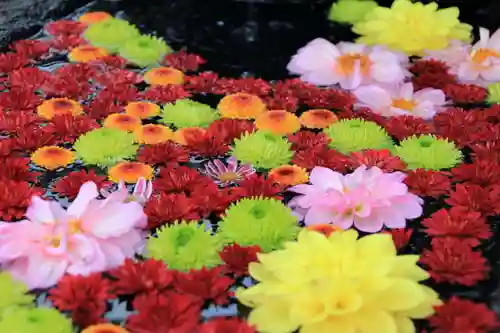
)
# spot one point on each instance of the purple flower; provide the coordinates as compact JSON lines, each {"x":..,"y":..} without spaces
{"x":225,"y":174}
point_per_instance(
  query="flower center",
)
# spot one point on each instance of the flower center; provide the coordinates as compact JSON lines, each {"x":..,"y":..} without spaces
{"x":346,"y":64}
{"x":62,"y":105}
{"x":75,"y":226}
{"x":242,"y":99}
{"x":276,"y":116}
{"x":480,"y":55}
{"x":228,"y":176}
{"x":258,"y":212}
{"x":321,"y":114}
{"x":184,"y":237}
{"x":153,"y":129}
{"x":53,"y":152}
{"x":55,"y":241}
{"x":163,"y":72}
{"x":404,"y":104}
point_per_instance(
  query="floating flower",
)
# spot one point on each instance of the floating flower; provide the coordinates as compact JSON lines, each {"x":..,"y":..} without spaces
{"x":162,"y":76}
{"x":59,"y":106}
{"x":317,"y":118}
{"x":141,"y":193}
{"x":130,"y":172}
{"x":226,"y":325}
{"x":436,"y":28}
{"x":110,"y":34}
{"x":349,"y":11}
{"x":493,"y":93}
{"x":401,"y":237}
{"x":428,"y":152}
{"x":94,"y":17}
{"x":181,"y":135}
{"x":279,"y":122}
{"x":348,"y":64}
{"x":163,"y":154}
{"x":297,"y":291}
{"x":229,"y":173}
{"x":465,"y":93}
{"x":67,"y":128}
{"x":13,"y":294}
{"x":188,"y":113}
{"x":289,"y":175}
{"x":105,"y":328}
{"x":87,"y":53}
{"x":262,"y":149}
{"x":475,"y":198}
{"x":265,"y":222}
{"x":241,"y":106}
{"x":142,"y":109}
{"x":123,"y":122}
{"x":144,"y":50}
{"x":304,"y":140}
{"x":356,"y":134}
{"x":424,"y":103}
{"x":52,"y":157}
{"x":69,"y":186}
{"x":402,"y":127}
{"x":15,"y":197}
{"x":259,"y":186}
{"x":152,"y":134}
{"x":236,"y":258}
{"x":428,"y":183}
{"x":382,"y":159}
{"x":43,"y":319}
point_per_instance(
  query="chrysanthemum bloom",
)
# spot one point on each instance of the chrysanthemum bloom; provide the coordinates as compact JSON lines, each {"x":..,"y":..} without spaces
{"x":130,"y":172}
{"x":52,"y":157}
{"x":228,"y":173}
{"x":289,"y":175}
{"x":105,"y":328}
{"x":58,"y":106}
{"x":122,"y":121}
{"x":94,"y":17}
{"x":181,"y":134}
{"x":152,"y":134}
{"x":241,"y":106}
{"x":403,"y":100}
{"x":279,"y":122}
{"x":308,"y":286}
{"x":90,"y":236}
{"x":412,"y":27}
{"x":86,"y":53}
{"x":141,"y":193}
{"x":142,"y":109}
{"x":348,"y":64}
{"x":317,"y":118}
{"x":162,"y":76}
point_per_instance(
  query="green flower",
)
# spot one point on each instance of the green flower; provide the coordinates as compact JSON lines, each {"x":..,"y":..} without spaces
{"x":39,"y":320}
{"x":184,"y":246}
{"x":105,"y":146}
{"x":262,"y":149}
{"x":188,"y":113}
{"x":355,"y":134}
{"x":493,"y":93}
{"x":144,"y":50}
{"x":13,"y":293}
{"x":110,"y":34}
{"x":428,"y":152}
{"x":351,"y":11}
{"x":258,"y":221}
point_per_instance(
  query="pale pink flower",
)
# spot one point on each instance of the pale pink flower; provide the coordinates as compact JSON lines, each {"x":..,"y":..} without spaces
{"x":350,"y":65}
{"x":229,"y":173}
{"x":456,"y":53}
{"x":141,"y":193}
{"x":401,"y":100}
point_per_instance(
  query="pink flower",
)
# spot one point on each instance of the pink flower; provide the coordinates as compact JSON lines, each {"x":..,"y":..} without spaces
{"x":141,"y":193}
{"x":90,"y":236}
{"x":366,"y":198}
{"x":455,"y":54}
{"x":227,"y":174}
{"x":401,"y":100}
{"x":348,"y":64}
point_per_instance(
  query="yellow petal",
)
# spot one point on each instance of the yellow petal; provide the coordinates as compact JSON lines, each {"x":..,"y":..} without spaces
{"x":260,"y":272}
{"x":404,"y":324}
{"x":375,"y":321}
{"x":426,"y":307}
{"x":376,"y":246}
{"x":331,"y":325}
{"x":273,"y":317}
{"x":406,"y":267}
{"x":401,"y":295}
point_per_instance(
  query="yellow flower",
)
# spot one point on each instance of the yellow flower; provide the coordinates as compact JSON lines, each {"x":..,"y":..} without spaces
{"x":339,"y":284}
{"x":412,"y":27}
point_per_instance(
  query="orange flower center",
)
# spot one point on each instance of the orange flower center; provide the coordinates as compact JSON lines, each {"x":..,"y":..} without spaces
{"x":404,"y":104}
{"x":346,"y":63}
{"x":54,"y":152}
{"x":480,"y":55}
{"x":228,"y":176}
{"x":75,"y":226}
{"x":286,"y":172}
{"x":153,"y":129}
{"x":162,"y":72}
{"x":276,"y":115}
{"x":62,"y":105}
{"x":325,"y":229}
{"x":55,"y":241}
{"x":242,"y":99}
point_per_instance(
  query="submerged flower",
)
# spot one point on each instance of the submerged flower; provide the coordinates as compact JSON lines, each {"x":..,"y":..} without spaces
{"x":130,"y":172}
{"x":94,"y":17}
{"x":289,"y":175}
{"x":52,"y":157}
{"x":144,"y":50}
{"x":122,"y":121}
{"x":152,"y":134}
{"x":59,"y":106}
{"x":87,"y":53}
{"x":299,"y":290}
{"x":162,"y":76}
{"x":241,"y":106}
{"x":188,"y":113}
{"x":348,"y":64}
{"x":317,"y":118}
{"x":231,"y":172}
{"x":424,"y":103}
{"x":279,"y":122}
{"x":110,"y":34}
{"x":142,"y":109}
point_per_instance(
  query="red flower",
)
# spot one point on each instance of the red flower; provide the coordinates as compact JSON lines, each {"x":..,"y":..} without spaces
{"x":183,"y":61}
{"x":378,"y":158}
{"x":11,"y":61}
{"x":135,"y":278}
{"x":206,"y":284}
{"x":204,"y":82}
{"x":165,"y":94}
{"x":428,"y":66}
{"x":67,"y":42}
{"x":304,"y":140}
{"x":180,"y":179}
{"x":400,"y":237}
{"x":83,"y":296}
{"x":461,"y":315}
{"x":31,"y":139}
{"x":16,"y":168}
{"x":31,"y":48}
{"x":15,"y":197}
{"x":249,"y":85}
{"x":457,"y":222}
{"x":6,"y":146}
{"x":237,"y":258}
{"x":330,"y":98}
{"x":282,"y":101}
{"x":488,"y":151}
{"x":69,"y":185}
{"x":81,"y":71}
{"x":427,"y":183}
{"x":67,"y":128}
{"x":65,"y":27}
{"x":431,"y":74}
{"x":454,"y":261}
{"x":465,"y":93}
{"x":19,"y":98}
{"x":65,"y":85}
{"x":120,"y":93}
{"x":402,"y":127}
{"x":483,"y":173}
{"x":163,"y":154}
{"x":226,"y":325}
{"x":321,"y":156}
{"x":208,"y":143}
{"x":209,"y":199}
{"x":476,"y":198}
{"x":168,"y":208}
{"x":230,"y":129}
{"x":28,"y":78}
{"x":102,"y":107}
{"x":13,"y":122}
{"x":117,"y":76}
{"x":113,"y":61}
{"x":259,"y":186}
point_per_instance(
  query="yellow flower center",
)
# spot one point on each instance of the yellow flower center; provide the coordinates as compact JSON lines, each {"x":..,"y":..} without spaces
{"x":75,"y":226}
{"x":346,"y":63}
{"x":480,"y":55}
{"x":228,"y":176}
{"x":404,"y":104}
{"x":55,"y":241}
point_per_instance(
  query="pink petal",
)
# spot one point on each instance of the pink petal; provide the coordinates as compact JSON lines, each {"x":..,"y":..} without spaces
{"x":221,"y":167}
{"x":86,"y":256}
{"x":44,"y":211}
{"x":387,"y":72}
{"x":467,"y":73}
{"x":139,"y":187}
{"x":87,"y":193}
{"x":373,"y":96}
{"x":232,"y":164}
{"x":406,"y":91}
{"x":435,"y":96}
{"x":322,"y":77}
{"x":326,"y":179}
{"x":492,"y":73}
{"x":368,"y":224}
{"x":319,"y":215}
{"x":43,"y":271}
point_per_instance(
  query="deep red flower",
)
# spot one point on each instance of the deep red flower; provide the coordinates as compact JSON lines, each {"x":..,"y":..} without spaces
{"x":304,"y":140}
{"x":259,"y":186}
{"x":163,"y":154}
{"x":330,"y":98}
{"x":15,"y":197}
{"x":428,"y":66}
{"x":248,"y":85}
{"x":180,"y":179}
{"x":206,"y":284}
{"x":321,"y":156}
{"x":459,"y":223}
{"x":122,"y":94}
{"x":183,"y":61}
{"x":30,"y":78}
{"x":427,"y":183}
{"x":431,"y":74}
{"x":67,"y":128}
{"x":11,"y":61}
{"x":6,"y":146}
{"x":117,"y":76}
{"x":101,"y":108}
{"x":485,"y":200}
{"x":111,"y":61}
{"x":208,"y":143}
{"x":19,"y":98}
{"x":164,"y":313}
{"x":68,"y":186}
{"x":488,"y":151}
{"x":66,"y":85}
{"x":363,"y":113}
{"x":31,"y":48}
{"x":402,"y":127}
{"x":209,"y":199}
{"x":282,"y":101}
{"x":465,"y":93}
{"x":461,"y":315}
{"x":135,"y":278}
{"x":226,"y":325}
{"x":165,"y":94}
{"x":83,"y":296}
{"x":13,"y":122}
{"x":485,"y":133}
{"x":230,"y":129}
{"x":82,"y":72}
{"x":204,"y":82}
{"x":168,"y":208}
{"x":454,"y":261}
{"x":31,"y":139}
{"x":67,"y":42}
{"x":65,"y":27}
{"x":483,"y":173}
{"x":237,"y":258}
{"x":16,"y":168}
{"x":378,"y":158}
{"x":400,"y":237}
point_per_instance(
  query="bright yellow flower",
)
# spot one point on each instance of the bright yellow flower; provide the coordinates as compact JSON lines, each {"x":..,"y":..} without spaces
{"x":338,"y":283}
{"x":412,"y":27}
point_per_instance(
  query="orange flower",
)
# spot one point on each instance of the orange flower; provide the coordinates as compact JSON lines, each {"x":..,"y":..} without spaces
{"x":94,"y":17}
{"x":162,"y":76}
{"x":58,"y":106}
{"x":152,"y":134}
{"x":130,"y":172}
{"x":181,"y":134}
{"x":142,"y":109}
{"x":325,"y":229}
{"x":241,"y":106}
{"x":122,"y":121}
{"x":318,"y":118}
{"x":52,"y":157}
{"x":86,"y":53}
{"x":279,"y":122}
{"x":105,"y":328}
{"x":289,"y":175}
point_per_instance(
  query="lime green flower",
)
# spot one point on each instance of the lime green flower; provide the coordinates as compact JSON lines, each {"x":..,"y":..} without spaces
{"x":105,"y":146}
{"x":351,"y":11}
{"x":144,"y":50}
{"x":184,"y":246}
{"x":428,"y":152}
{"x":265,"y":222}
{"x":493,"y":93}
{"x":13,"y":293}
{"x":110,"y":34}
{"x":262,"y":149}
{"x":188,"y":113}
{"x":39,"y":320}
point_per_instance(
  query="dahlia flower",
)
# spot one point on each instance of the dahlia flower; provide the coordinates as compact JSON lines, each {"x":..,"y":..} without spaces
{"x":348,"y":64}
{"x":338,"y":283}
{"x":225,"y":174}
{"x":366,"y":198}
